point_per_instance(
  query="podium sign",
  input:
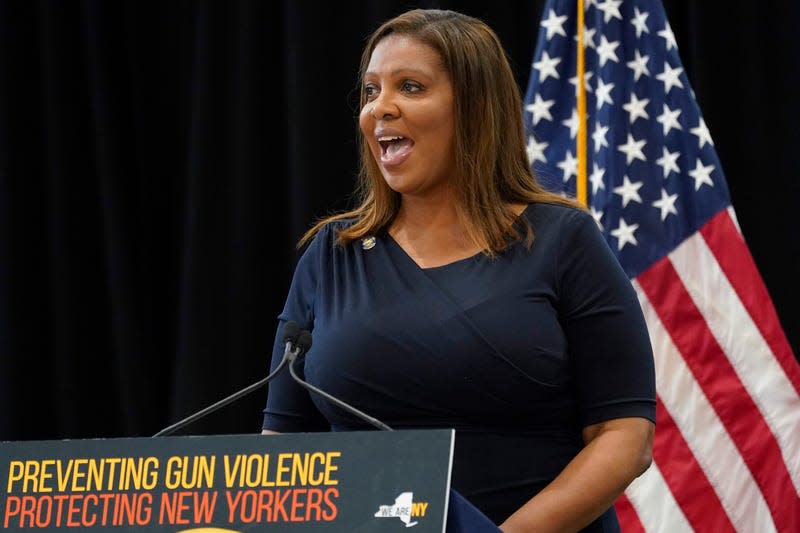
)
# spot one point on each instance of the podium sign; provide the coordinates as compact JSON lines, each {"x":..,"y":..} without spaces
{"x":361,"y":481}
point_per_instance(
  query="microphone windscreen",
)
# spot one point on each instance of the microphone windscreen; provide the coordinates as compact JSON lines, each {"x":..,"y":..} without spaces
{"x":290,"y":332}
{"x":304,"y":340}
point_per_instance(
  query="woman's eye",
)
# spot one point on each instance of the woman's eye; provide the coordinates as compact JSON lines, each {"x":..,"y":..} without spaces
{"x":370,"y":91}
{"x":411,"y":87}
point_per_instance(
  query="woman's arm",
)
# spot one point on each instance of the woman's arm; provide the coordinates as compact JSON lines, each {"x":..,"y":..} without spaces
{"x":616,"y":452}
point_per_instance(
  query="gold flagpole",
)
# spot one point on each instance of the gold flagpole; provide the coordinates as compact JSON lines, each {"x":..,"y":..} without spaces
{"x":580,"y":186}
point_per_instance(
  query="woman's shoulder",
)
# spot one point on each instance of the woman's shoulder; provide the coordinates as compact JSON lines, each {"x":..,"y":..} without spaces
{"x":545,"y":213}
{"x":327,"y":234}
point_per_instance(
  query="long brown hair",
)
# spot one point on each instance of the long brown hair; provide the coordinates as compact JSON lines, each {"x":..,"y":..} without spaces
{"x":493,"y":170}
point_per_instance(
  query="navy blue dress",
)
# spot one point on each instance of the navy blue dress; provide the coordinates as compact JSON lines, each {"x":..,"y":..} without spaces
{"x":517,"y":353}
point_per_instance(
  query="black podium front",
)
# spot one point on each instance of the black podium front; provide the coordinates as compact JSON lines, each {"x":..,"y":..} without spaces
{"x":370,"y":481}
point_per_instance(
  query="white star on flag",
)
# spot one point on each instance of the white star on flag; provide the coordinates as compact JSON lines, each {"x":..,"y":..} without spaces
{"x":624,"y":233}
{"x":668,"y":162}
{"x":569,"y":165}
{"x":540,"y":109}
{"x":596,"y":179}
{"x":610,"y":8}
{"x":638,"y":65}
{"x":536,"y":150}
{"x":703,"y":135}
{"x":639,"y":22}
{"x":572,"y":123}
{"x":635,"y":108}
{"x":605,"y":50}
{"x":587,"y":76}
{"x":598,"y":216}
{"x":554,"y":25}
{"x":666,"y":204}
{"x":670,"y":77}
{"x":547,"y":66}
{"x":632,"y":149}
{"x":588,"y":37}
{"x":603,"y":93}
{"x":702,"y":174}
{"x":629,"y":191}
{"x":599,"y":136}
{"x":669,"y":119}
{"x":667,"y":34}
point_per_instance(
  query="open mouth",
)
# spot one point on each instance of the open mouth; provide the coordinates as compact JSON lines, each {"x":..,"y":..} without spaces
{"x":394,"y":148}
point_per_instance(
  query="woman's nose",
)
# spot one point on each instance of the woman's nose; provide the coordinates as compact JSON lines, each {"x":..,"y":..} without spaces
{"x":383,"y":108}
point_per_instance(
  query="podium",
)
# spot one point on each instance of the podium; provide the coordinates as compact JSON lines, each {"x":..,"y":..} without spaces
{"x":354,"y":482}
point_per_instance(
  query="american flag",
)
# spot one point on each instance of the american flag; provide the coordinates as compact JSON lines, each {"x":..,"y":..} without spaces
{"x":727,"y":444}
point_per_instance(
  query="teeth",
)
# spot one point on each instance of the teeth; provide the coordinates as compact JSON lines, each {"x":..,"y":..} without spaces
{"x":387,"y":138}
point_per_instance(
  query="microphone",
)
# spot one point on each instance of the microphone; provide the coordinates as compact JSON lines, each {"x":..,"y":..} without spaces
{"x":303,"y":344}
{"x":291,"y":334}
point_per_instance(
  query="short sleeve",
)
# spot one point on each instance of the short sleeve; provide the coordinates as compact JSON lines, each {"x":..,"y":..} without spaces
{"x":608,"y":341}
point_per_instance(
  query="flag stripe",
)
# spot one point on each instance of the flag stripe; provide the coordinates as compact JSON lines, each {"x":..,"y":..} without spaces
{"x":686,"y":407}
{"x":699,"y":502}
{"x":712,"y":370}
{"x":627,"y":515}
{"x":737,"y":263}
{"x":689,"y":485}
{"x":724,"y":313}
{"x":654,"y":504}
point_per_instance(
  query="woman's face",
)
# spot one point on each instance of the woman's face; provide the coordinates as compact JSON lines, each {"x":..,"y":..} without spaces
{"x":408,"y":119}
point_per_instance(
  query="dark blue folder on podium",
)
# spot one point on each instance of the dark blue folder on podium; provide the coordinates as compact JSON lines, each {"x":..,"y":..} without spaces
{"x":353,"y":482}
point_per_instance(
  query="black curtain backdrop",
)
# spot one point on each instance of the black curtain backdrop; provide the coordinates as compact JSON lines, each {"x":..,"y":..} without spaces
{"x":158,"y":160}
